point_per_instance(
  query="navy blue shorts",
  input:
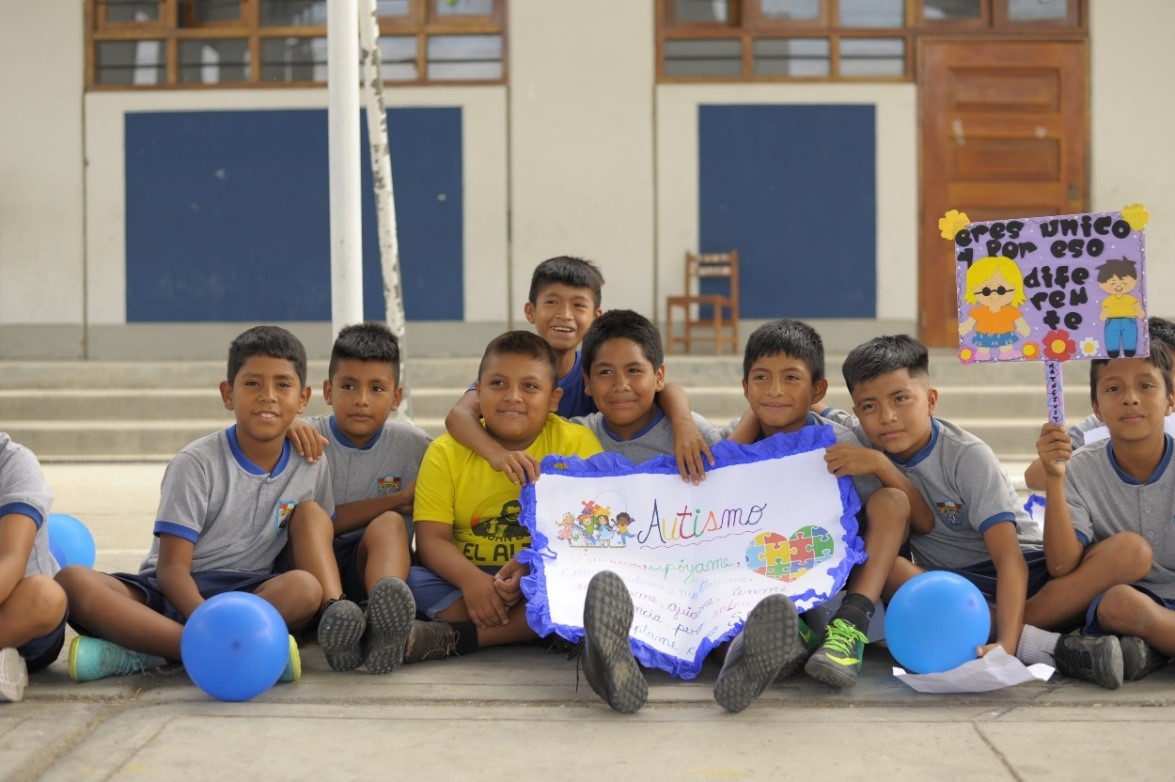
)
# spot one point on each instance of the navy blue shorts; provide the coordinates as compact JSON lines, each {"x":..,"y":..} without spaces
{"x":210,"y":583}
{"x":983,"y":575}
{"x":432,"y":593}
{"x":39,"y":652}
{"x":347,"y":556}
{"x":1091,"y":627}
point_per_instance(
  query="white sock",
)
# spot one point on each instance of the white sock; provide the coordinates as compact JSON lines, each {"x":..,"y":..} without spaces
{"x":1036,"y":645}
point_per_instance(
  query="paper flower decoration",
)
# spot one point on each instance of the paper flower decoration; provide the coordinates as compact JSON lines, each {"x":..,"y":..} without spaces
{"x":1058,"y":346}
{"x":1030,"y":350}
{"x":966,"y":354}
{"x":1134,"y":214}
{"x":953,"y":222}
{"x":1088,"y":347}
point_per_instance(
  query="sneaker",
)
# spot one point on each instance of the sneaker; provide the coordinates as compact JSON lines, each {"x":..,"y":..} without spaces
{"x":809,"y":641}
{"x":429,"y":641}
{"x":14,"y":675}
{"x":1093,"y":658}
{"x":769,"y":642}
{"x":293,"y":669}
{"x":97,"y":658}
{"x":838,"y":660}
{"x":390,"y":611}
{"x":608,"y":664}
{"x":339,"y":631}
{"x":1140,"y":659}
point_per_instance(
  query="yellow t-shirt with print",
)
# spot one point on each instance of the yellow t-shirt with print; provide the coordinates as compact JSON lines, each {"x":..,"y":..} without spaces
{"x":456,"y":486}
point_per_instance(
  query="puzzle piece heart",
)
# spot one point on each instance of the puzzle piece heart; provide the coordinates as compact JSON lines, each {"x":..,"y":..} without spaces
{"x":788,"y":559}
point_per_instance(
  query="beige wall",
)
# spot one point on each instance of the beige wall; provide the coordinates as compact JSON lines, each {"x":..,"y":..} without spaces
{"x":1132,"y":117}
{"x":41,"y":81}
{"x":581,"y":142}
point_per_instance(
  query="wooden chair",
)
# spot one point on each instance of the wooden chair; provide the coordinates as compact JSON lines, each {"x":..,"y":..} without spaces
{"x":714,"y":313}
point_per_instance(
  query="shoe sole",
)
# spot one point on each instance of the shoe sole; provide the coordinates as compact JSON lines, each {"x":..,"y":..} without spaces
{"x":390,"y":611}
{"x":1139,"y":660}
{"x":766,"y":649}
{"x":607,"y":618}
{"x":339,"y":632}
{"x":830,"y":672}
{"x":1106,"y":665}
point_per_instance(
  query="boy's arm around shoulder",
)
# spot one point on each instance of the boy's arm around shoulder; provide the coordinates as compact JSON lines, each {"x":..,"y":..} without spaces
{"x":691,"y":449}
{"x":1063,"y":549}
{"x":464,"y":423}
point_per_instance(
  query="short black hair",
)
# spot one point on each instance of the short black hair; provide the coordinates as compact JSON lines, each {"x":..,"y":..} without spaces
{"x":881,"y":355}
{"x":1117,"y":267}
{"x":567,"y":270}
{"x":1159,"y":358}
{"x":1161,"y":330}
{"x":624,"y":324}
{"x":792,"y":337}
{"x":369,"y":341}
{"x":521,"y":343}
{"x":271,"y":341}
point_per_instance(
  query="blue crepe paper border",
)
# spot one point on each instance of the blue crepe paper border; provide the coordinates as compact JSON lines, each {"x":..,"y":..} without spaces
{"x":726,"y":453}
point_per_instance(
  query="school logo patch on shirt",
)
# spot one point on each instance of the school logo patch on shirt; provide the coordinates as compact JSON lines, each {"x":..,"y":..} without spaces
{"x":952,"y":513}
{"x":389,"y":484}
{"x":281,"y":516}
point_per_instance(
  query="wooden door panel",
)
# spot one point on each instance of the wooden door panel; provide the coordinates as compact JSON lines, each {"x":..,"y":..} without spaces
{"x":1003,"y":134}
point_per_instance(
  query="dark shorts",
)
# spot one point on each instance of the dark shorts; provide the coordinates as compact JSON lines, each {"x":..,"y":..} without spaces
{"x":39,"y":652}
{"x":983,"y":575}
{"x":347,"y":556}
{"x":432,"y":593}
{"x":1091,"y":626}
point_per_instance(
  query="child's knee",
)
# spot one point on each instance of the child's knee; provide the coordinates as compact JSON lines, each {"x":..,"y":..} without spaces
{"x":43,"y":599}
{"x":888,"y":506}
{"x":1133,"y":553}
{"x":73,"y":580}
{"x":387,"y":529}
{"x":301,"y":595}
{"x":1122,"y":610}
{"x":309,"y":516}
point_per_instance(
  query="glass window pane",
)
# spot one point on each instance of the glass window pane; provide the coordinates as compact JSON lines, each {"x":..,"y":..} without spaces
{"x":293,"y":13}
{"x":214,"y":61}
{"x":701,"y":11}
{"x":703,"y":58}
{"x":792,"y":57}
{"x":132,"y":10}
{"x":391,"y":7}
{"x":1037,"y":10}
{"x":791,"y":10}
{"x":452,"y":57}
{"x":463,"y":7}
{"x":872,"y":13}
{"x":131,"y":62}
{"x":397,"y":57}
{"x":938,"y":10}
{"x":872,"y":57}
{"x":293,"y":59}
{"x":216,"y":10}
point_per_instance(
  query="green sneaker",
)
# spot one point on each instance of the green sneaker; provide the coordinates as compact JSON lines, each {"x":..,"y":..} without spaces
{"x":808,"y":642}
{"x":838,"y":660}
{"x":97,"y":658}
{"x":293,"y":669}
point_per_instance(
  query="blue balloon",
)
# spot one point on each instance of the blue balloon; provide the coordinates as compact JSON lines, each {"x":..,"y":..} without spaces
{"x":235,"y":646}
{"x":69,"y":541}
{"x":936,"y":621}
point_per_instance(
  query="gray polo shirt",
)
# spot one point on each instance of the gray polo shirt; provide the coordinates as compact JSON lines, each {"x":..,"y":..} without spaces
{"x":23,"y":490}
{"x":654,"y":440}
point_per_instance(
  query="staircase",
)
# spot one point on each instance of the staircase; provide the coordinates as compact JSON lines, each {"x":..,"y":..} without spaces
{"x":135,"y":411}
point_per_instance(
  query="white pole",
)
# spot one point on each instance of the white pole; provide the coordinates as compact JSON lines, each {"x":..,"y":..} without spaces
{"x":346,"y":226}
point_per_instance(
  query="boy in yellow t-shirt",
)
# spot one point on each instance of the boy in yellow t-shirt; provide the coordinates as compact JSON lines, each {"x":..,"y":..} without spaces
{"x":466,"y":515}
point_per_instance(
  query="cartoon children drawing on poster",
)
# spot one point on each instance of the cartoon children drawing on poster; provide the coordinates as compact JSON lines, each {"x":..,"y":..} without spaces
{"x":1120,"y":311}
{"x":996,"y":287}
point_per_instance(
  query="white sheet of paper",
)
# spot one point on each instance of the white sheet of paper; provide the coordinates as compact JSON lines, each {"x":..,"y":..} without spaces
{"x":994,"y":671}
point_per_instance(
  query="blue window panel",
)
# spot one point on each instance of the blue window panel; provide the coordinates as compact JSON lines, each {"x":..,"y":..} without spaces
{"x":227,"y":216}
{"x":794,"y":189}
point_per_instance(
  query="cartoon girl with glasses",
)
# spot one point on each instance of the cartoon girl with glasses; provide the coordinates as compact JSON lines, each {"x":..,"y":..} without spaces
{"x":996,"y":286}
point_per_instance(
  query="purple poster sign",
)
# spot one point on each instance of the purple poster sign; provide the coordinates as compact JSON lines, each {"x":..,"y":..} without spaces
{"x":1051,"y":288}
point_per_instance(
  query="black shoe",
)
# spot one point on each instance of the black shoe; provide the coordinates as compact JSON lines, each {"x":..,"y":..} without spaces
{"x":390,"y":611}
{"x":1096,"y":659}
{"x":1140,"y":659}
{"x":608,"y":664}
{"x":769,"y":641}
{"x":1128,"y":353}
{"x":339,"y":631}
{"x":429,"y":641}
{"x":1112,"y":353}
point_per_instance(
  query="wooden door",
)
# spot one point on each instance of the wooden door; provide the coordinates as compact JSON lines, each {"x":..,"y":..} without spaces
{"x":1004,"y":133}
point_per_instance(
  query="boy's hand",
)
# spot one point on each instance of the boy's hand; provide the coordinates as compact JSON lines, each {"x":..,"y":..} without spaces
{"x":483,"y":602}
{"x":508,"y":582}
{"x":306,"y":440}
{"x":845,"y":459}
{"x":983,"y":650}
{"x":691,"y":451}
{"x":1055,"y":449}
{"x":519,"y":466}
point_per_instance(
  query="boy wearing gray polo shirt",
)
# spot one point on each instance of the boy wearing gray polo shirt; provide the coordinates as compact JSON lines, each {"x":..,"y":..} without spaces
{"x":231,"y":503}
{"x":32,"y":605}
{"x":965,"y":516}
{"x":1120,"y":493}
{"x":374,"y":462}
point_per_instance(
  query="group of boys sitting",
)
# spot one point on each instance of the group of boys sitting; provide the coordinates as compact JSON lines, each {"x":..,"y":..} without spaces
{"x":329,"y":541}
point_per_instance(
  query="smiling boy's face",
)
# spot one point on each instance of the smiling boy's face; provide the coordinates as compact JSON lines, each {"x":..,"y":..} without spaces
{"x":1132,"y":399}
{"x":1118,"y":285}
{"x":624,"y":385}
{"x":515,"y":393}
{"x":266,"y":395}
{"x":780,"y":391}
{"x":561,"y":315}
